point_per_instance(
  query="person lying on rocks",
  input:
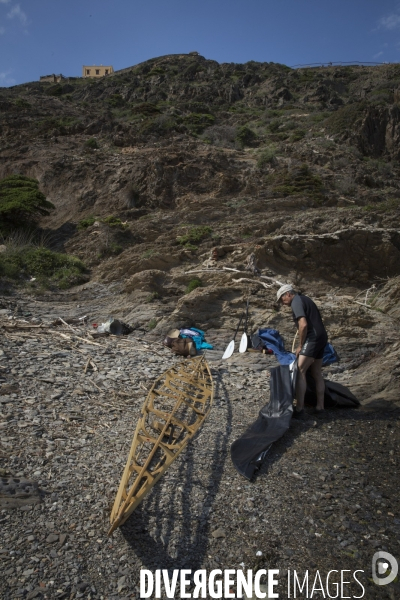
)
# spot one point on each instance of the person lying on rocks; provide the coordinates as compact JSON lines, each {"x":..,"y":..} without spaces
{"x":312,"y":341}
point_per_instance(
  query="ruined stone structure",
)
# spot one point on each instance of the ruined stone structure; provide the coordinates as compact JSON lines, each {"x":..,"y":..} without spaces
{"x":52,"y":78}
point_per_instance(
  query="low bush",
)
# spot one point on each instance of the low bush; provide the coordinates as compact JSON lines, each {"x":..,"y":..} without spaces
{"x":245,"y":136}
{"x":267,"y":156}
{"x":274,"y":125}
{"x":384,"y":206}
{"x":345,"y":118}
{"x":192,"y":285}
{"x":198,"y":122}
{"x":114,"y":221}
{"x":220,"y":135}
{"x":297,"y":135}
{"x":115,"y":101}
{"x":91,"y":144}
{"x":149,"y":253}
{"x":49,"y":268}
{"x":155,"y":71}
{"x":54,"y":90}
{"x":110,"y":250}
{"x":21,"y":201}
{"x":346,"y":185}
{"x":195,"y":234}
{"x":153,"y":296}
{"x":111,"y":221}
{"x":22,"y":103}
{"x":85,"y":223}
{"x":151,"y":324}
{"x":298,"y":182}
{"x":161,"y":125}
{"x":145,"y":108}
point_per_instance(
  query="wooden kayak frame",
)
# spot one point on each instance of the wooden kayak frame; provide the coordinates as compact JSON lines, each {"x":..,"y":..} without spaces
{"x":190,"y":385}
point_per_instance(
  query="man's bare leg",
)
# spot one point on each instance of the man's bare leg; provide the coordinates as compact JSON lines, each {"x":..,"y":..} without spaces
{"x":316,"y":372}
{"x":303,"y":364}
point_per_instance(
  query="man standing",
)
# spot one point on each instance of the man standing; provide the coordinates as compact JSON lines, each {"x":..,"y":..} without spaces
{"x":312,"y":341}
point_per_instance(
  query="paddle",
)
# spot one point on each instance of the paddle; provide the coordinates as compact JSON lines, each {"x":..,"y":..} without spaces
{"x":245,"y":338}
{"x":231,"y":346}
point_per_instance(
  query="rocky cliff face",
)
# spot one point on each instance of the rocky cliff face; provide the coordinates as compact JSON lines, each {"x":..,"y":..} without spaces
{"x":152,"y":168}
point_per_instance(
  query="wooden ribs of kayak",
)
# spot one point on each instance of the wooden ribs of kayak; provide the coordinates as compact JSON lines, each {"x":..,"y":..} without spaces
{"x":174,"y":410}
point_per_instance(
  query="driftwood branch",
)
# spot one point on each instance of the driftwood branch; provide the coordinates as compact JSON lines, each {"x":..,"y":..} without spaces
{"x":371,"y":289}
{"x":224,"y":269}
{"x":247,"y":280}
{"x":204,"y":271}
{"x":272,"y":279}
{"x":66,"y":324}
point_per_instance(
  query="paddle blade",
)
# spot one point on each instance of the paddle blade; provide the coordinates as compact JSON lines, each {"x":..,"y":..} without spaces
{"x":229,"y":350}
{"x":243,"y":343}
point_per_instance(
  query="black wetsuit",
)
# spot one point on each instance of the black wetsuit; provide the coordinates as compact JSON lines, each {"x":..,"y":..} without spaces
{"x":316,"y":338}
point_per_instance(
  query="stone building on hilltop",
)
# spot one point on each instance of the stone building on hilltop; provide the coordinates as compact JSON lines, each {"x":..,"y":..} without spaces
{"x":96,"y":71}
{"x":52,"y":78}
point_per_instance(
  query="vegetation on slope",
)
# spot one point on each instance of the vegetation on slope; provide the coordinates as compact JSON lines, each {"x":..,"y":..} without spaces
{"x":21,"y":202}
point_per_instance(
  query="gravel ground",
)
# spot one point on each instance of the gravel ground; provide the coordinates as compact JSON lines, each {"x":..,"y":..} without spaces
{"x":326,"y":497}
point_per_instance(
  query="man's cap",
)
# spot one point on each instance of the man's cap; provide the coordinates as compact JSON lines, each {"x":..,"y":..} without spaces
{"x":173,"y":333}
{"x":283,"y":289}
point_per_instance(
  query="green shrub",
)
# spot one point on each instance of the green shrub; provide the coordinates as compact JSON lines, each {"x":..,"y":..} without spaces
{"x":161,"y":125}
{"x":85,"y":223}
{"x":49,"y":268}
{"x":305,"y":75}
{"x":115,"y":100}
{"x":319,"y":117}
{"x":153,"y":296}
{"x":111,"y":221}
{"x":299,"y":182}
{"x":192,"y":285}
{"x":114,"y":222}
{"x":237,"y":203}
{"x":145,"y":108}
{"x":156,"y":71}
{"x":297,"y":135}
{"x":267,"y":156}
{"x":21,"y":201}
{"x":345,"y":118}
{"x":149,"y":253}
{"x":196,"y":107}
{"x":384,"y":206}
{"x":54,"y":90}
{"x":110,"y":250}
{"x":195,"y":234}
{"x":245,"y":136}
{"x":191,"y":70}
{"x":274,"y":125}
{"x":197,"y":122}
{"x":270,"y":113}
{"x":152,"y":324}
{"x":91,"y":144}
{"x":22,"y":103}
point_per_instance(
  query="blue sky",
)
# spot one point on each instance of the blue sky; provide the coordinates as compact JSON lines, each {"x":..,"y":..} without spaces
{"x":39,"y":37}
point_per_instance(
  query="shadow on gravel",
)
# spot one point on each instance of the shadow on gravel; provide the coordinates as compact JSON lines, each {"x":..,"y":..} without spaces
{"x":168,"y":515}
{"x":298,"y":428}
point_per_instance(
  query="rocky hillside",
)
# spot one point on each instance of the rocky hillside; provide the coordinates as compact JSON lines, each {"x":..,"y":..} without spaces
{"x":186,"y":187}
{"x":153,"y":168}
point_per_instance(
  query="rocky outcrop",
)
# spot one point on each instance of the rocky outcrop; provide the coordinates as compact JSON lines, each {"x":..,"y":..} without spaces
{"x":380,"y":132}
{"x":388,"y":298}
{"x":347,"y":255}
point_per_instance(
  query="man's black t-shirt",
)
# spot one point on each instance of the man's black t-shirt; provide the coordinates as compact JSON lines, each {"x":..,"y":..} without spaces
{"x":302,"y":306}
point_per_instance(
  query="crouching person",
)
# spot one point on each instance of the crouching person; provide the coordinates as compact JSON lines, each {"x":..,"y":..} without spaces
{"x":312,"y":341}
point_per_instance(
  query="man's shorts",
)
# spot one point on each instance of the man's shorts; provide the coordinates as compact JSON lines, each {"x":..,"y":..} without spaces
{"x":314,"y":348}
